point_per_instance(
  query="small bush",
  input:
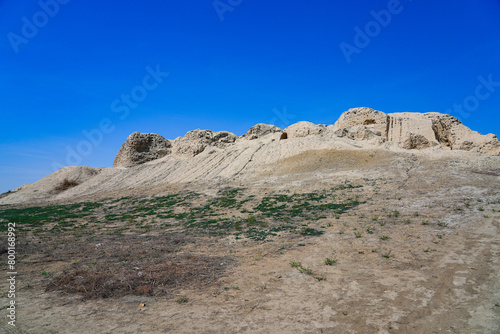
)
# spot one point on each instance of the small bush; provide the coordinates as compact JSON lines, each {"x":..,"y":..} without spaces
{"x":65,"y":185}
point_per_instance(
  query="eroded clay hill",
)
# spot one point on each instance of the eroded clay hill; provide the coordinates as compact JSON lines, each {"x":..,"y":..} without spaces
{"x":147,"y":160}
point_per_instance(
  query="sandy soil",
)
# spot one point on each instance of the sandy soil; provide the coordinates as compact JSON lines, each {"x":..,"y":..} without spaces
{"x":426,"y":259}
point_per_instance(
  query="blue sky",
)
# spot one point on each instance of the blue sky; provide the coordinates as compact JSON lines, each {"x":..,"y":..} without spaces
{"x":77,"y":77}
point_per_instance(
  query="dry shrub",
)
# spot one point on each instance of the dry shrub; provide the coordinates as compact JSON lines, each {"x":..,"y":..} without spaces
{"x":65,"y":185}
{"x":137,"y":267}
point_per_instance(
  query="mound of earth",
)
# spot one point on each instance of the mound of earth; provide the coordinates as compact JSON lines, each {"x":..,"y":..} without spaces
{"x":147,"y":160}
{"x":379,"y":223}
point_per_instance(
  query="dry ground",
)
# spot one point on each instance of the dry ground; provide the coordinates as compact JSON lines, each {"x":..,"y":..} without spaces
{"x":416,"y":245}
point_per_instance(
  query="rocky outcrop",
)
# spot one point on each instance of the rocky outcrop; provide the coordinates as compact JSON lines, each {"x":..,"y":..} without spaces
{"x":411,"y":131}
{"x":260,"y":130}
{"x":415,"y":141}
{"x":303,"y":129}
{"x":196,"y":141}
{"x":453,"y":134}
{"x":414,"y":130}
{"x":140,"y":148}
{"x":374,"y":119}
{"x":361,"y":132}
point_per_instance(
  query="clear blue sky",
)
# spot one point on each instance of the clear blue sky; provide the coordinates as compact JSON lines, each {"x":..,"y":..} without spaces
{"x":231,"y":64}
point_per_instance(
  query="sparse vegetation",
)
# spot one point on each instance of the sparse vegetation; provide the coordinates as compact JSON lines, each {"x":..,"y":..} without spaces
{"x":441,"y":224}
{"x":387,"y":255}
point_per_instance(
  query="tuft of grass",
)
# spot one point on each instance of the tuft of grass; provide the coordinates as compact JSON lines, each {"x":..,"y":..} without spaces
{"x":306,"y":271}
{"x":358,"y":234}
{"x":182,"y":300}
{"x":310,"y":231}
{"x":320,"y":278}
{"x":387,"y":255}
{"x":383,"y":237}
{"x":330,"y":262}
{"x":295,"y":264}
{"x":441,"y":224}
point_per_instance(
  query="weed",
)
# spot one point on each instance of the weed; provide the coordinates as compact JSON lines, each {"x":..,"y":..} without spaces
{"x":310,"y":231}
{"x":481,"y":208}
{"x":305,"y":270}
{"x":425,"y":222}
{"x":394,"y":213}
{"x":182,"y":300}
{"x":440,"y":236}
{"x":387,"y":255}
{"x":381,"y":223}
{"x":320,"y":278}
{"x":295,"y":264}
{"x":441,"y":224}
{"x":383,"y":237}
{"x":361,"y":252}
{"x":330,"y":262}
{"x":358,"y":234}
